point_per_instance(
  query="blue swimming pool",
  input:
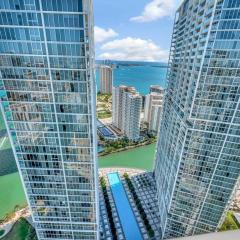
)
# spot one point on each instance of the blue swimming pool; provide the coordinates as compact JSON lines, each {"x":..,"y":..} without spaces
{"x":99,"y":124}
{"x":105,"y":132}
{"x":127,"y":218}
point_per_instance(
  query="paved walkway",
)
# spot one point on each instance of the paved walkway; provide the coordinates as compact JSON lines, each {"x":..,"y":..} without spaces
{"x":106,"y":121}
{"x":7,"y":226}
{"x":121,"y":171}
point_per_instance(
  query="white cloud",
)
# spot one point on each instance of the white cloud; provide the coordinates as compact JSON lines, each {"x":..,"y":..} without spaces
{"x":133,"y":49}
{"x":156,"y":9}
{"x":102,"y":35}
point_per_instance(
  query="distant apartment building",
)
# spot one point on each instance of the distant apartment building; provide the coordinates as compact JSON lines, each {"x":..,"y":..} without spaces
{"x":47,"y":91}
{"x":127,"y":105}
{"x":132,"y":105}
{"x":106,"y":79}
{"x":198,"y":154}
{"x":157,"y":89}
{"x":117,"y":104}
{"x":153,"y":109}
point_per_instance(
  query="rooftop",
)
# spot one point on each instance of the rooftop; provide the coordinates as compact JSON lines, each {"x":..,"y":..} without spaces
{"x":157,"y":87}
{"x":105,"y":66}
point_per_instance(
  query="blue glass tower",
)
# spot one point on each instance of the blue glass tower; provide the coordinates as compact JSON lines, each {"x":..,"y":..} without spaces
{"x":198,"y":157}
{"x":47,"y":91}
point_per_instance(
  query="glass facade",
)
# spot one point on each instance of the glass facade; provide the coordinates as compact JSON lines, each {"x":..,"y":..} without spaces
{"x":198,"y":155}
{"x":47,"y":90}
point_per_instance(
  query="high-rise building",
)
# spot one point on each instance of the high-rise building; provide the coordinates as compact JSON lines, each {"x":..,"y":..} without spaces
{"x":132,"y":106}
{"x":153,"y":109}
{"x":117,"y":104}
{"x":127,"y":105}
{"x":47,"y":90}
{"x":156,"y":89}
{"x":106,"y":79}
{"x":198,"y":154}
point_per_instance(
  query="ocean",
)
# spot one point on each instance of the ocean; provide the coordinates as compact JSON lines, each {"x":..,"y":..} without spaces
{"x":137,"y":74}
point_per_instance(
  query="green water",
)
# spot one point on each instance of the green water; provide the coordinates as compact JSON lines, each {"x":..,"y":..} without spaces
{"x":12,"y":192}
{"x":2,"y":125}
{"x":141,"y":157}
{"x":5,"y":143}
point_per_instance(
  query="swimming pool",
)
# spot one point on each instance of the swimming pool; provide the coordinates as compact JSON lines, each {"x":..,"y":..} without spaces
{"x":105,"y":132}
{"x":127,"y":218}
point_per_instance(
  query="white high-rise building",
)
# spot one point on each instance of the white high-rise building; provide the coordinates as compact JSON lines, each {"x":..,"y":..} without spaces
{"x":156,"y":89}
{"x":117,"y":104}
{"x":132,"y":106}
{"x":155,"y":119}
{"x":153,"y":109}
{"x":106,"y":79}
{"x":47,"y":90}
{"x":198,"y":155}
{"x":127,"y":105}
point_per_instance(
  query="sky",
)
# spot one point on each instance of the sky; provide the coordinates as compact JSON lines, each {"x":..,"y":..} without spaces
{"x":134,"y":30}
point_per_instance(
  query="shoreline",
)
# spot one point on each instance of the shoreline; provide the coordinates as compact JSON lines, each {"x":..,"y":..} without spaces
{"x":126,"y":148}
{"x":139,"y":157}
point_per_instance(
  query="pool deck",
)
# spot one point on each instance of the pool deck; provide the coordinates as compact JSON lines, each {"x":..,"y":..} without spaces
{"x":125,"y":212}
{"x":146,"y":194}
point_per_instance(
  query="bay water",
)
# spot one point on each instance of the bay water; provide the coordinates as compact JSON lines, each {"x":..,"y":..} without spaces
{"x":138,"y":74}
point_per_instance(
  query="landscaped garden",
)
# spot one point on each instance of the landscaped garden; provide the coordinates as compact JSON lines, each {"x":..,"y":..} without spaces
{"x":21,"y":230}
{"x":104,"y":105}
{"x":123,"y":144}
{"x":108,"y":208}
{"x":230,"y":223}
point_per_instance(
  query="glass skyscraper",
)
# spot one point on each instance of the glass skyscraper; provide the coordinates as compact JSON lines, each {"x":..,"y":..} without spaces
{"x":198,"y":154}
{"x":47,"y":90}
